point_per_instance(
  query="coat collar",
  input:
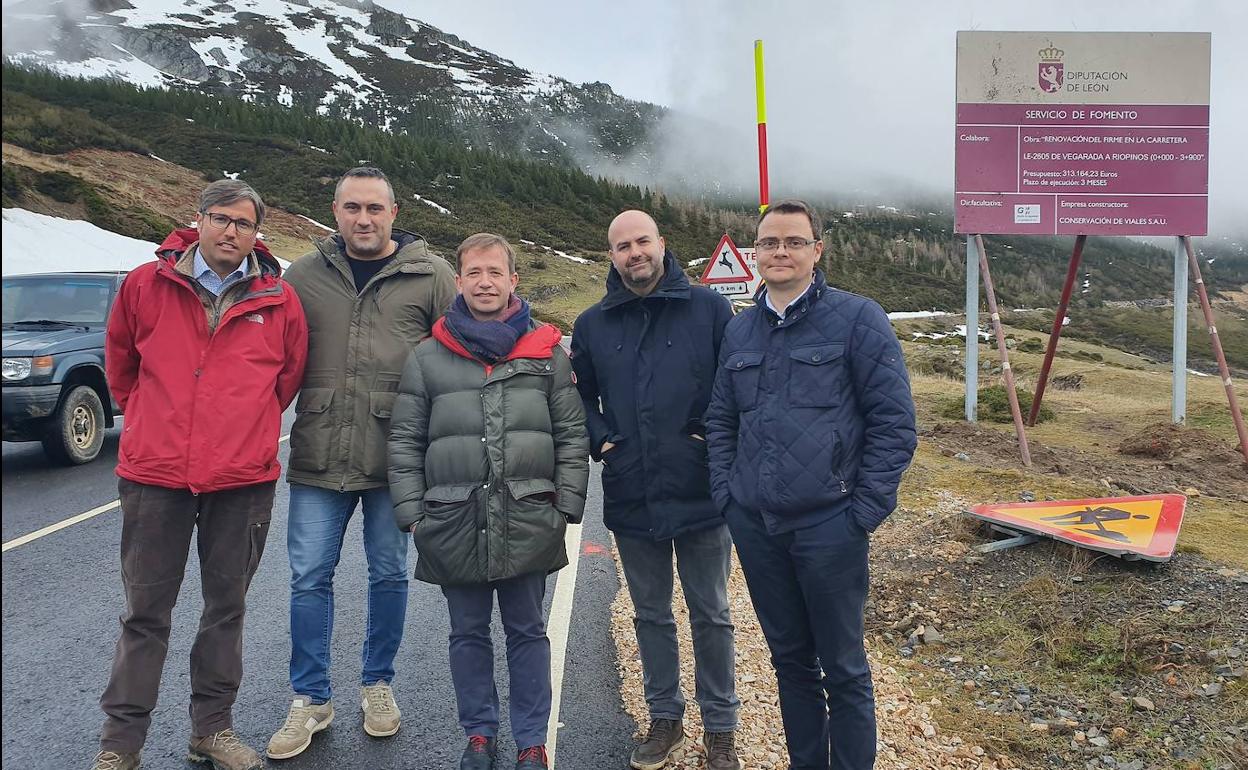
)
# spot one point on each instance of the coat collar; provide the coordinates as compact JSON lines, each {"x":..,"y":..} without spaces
{"x":674,"y":285}
{"x":813,"y":294}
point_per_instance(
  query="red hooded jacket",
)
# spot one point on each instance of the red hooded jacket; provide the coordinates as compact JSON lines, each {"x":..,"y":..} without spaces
{"x":203,"y":409}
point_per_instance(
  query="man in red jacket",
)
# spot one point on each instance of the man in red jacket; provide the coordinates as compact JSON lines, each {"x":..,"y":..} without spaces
{"x":206,"y":348}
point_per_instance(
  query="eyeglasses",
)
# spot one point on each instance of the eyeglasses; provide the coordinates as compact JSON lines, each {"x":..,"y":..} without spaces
{"x":241,"y":226}
{"x":790,"y":244}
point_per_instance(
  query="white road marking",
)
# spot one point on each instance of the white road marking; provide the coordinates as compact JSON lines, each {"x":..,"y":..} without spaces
{"x":72,"y":520}
{"x":557,"y":630}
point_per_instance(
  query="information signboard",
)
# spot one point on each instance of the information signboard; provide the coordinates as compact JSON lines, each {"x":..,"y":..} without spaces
{"x":1069,"y":133}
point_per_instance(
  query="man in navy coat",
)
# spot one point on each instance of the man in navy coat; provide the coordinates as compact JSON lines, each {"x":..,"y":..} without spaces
{"x":810,"y":427}
{"x":645,"y":359}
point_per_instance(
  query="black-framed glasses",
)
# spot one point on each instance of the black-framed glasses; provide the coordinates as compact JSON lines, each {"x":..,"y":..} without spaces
{"x":790,"y":244}
{"x":241,"y":226}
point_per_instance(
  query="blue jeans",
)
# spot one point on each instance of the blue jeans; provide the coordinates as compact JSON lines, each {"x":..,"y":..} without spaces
{"x":809,"y":589}
{"x":703,"y":559}
{"x":528,"y":656}
{"x":317,"y":523}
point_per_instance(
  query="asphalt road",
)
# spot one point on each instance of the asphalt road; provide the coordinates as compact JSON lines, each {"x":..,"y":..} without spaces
{"x":62,"y":597}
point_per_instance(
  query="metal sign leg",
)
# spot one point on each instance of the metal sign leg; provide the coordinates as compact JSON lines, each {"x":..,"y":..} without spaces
{"x":1178,"y":390}
{"x":972,"y":329}
{"x":1216,"y":343}
{"x":1058,"y":319}
{"x":1006,"y":369}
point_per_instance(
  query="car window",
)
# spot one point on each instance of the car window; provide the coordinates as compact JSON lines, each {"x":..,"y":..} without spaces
{"x":73,"y":299}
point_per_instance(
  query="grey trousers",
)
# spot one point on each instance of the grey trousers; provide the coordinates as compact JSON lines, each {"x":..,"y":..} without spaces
{"x":703,"y":559}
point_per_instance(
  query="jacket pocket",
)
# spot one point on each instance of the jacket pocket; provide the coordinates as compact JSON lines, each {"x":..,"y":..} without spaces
{"x":446,"y":536}
{"x":535,"y":528}
{"x":313,"y":432}
{"x":817,"y":375}
{"x":380,"y":407}
{"x":744,"y":370}
{"x":622,"y":484}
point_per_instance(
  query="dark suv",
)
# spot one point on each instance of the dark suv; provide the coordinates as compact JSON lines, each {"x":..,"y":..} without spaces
{"x":54,"y":388}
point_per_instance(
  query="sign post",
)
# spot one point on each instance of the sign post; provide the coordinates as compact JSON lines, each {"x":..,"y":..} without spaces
{"x":1082,"y":133}
{"x":761,"y":107}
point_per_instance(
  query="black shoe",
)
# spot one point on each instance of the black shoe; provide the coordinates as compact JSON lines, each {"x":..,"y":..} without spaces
{"x":479,"y":753}
{"x":664,"y":737}
{"x":721,"y":751}
{"x":532,"y":758}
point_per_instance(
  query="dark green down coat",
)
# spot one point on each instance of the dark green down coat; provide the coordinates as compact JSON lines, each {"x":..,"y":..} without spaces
{"x":488,"y":464}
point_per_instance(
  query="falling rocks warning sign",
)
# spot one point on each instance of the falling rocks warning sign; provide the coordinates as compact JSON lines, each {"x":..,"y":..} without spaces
{"x":1144,"y":527}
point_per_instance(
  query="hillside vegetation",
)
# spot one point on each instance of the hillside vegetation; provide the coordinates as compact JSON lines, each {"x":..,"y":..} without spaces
{"x":905,"y":260}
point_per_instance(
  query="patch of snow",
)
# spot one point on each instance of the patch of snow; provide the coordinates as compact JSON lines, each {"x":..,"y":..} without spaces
{"x":432,"y":204}
{"x":318,"y":224}
{"x":527,"y":243}
{"x":230,"y":174}
{"x":37,"y":243}
{"x":285,"y":96}
{"x":153,"y":157}
{"x":908,"y":314}
{"x":1198,"y":374}
{"x":578,"y":260}
{"x":960,"y":330}
{"x":223,"y":52}
{"x":128,"y":68}
{"x":696,"y":262}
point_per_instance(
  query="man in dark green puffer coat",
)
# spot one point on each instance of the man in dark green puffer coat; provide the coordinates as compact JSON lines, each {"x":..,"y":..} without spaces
{"x":488,"y":466}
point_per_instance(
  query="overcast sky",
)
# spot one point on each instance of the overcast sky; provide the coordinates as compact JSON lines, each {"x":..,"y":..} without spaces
{"x":859,"y":94}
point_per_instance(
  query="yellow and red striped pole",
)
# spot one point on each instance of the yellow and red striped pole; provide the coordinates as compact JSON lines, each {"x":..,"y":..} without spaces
{"x":761,"y":101}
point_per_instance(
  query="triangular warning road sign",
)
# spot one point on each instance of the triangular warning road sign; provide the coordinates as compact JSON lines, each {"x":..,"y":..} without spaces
{"x":1144,"y":527}
{"x":726,"y":264}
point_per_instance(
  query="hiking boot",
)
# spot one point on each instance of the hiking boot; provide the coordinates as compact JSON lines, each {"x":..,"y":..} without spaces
{"x":224,"y":750}
{"x":381,"y":715}
{"x":111,"y":760}
{"x":721,"y":751}
{"x":479,"y":754}
{"x":664,"y":737}
{"x":303,"y":721}
{"x":532,"y":758}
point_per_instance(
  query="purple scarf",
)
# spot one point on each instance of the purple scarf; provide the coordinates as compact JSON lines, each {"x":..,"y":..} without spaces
{"x":489,"y":341}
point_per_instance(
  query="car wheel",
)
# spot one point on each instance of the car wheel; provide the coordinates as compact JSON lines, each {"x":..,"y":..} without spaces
{"x":75,"y":434}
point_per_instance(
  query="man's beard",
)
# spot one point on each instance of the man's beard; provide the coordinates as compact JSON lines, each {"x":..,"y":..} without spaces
{"x":632,"y":281}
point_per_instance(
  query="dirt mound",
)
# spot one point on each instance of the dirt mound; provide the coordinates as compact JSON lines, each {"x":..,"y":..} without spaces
{"x":1165,"y":441}
{"x":1160,"y":458}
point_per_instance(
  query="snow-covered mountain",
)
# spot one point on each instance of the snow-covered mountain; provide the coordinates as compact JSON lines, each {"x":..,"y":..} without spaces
{"x":339,"y":57}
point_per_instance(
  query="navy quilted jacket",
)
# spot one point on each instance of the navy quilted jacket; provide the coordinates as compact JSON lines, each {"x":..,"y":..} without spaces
{"x":811,"y":416}
{"x":645,"y":368}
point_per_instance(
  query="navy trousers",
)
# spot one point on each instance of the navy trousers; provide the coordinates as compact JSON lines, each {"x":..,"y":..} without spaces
{"x":809,"y":588}
{"x":528,"y":656}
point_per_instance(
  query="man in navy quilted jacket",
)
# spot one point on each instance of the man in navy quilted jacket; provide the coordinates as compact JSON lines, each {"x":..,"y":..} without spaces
{"x":810,"y":427}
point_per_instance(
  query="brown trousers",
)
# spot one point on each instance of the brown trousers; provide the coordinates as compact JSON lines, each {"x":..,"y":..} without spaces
{"x":155,"y":540}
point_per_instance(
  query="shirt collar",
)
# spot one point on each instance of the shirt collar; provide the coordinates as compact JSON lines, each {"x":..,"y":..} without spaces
{"x":785,"y":311}
{"x":200,"y":266}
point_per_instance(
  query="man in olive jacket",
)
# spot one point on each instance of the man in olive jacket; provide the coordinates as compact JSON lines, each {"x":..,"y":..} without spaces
{"x":371,"y":293}
{"x":488,"y":467}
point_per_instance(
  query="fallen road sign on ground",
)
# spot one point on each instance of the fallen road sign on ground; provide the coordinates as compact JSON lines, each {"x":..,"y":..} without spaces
{"x":1142,"y":527}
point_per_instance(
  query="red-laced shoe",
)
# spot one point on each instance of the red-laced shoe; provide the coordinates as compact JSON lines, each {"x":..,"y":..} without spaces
{"x":532,"y":758}
{"x":479,"y":754}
